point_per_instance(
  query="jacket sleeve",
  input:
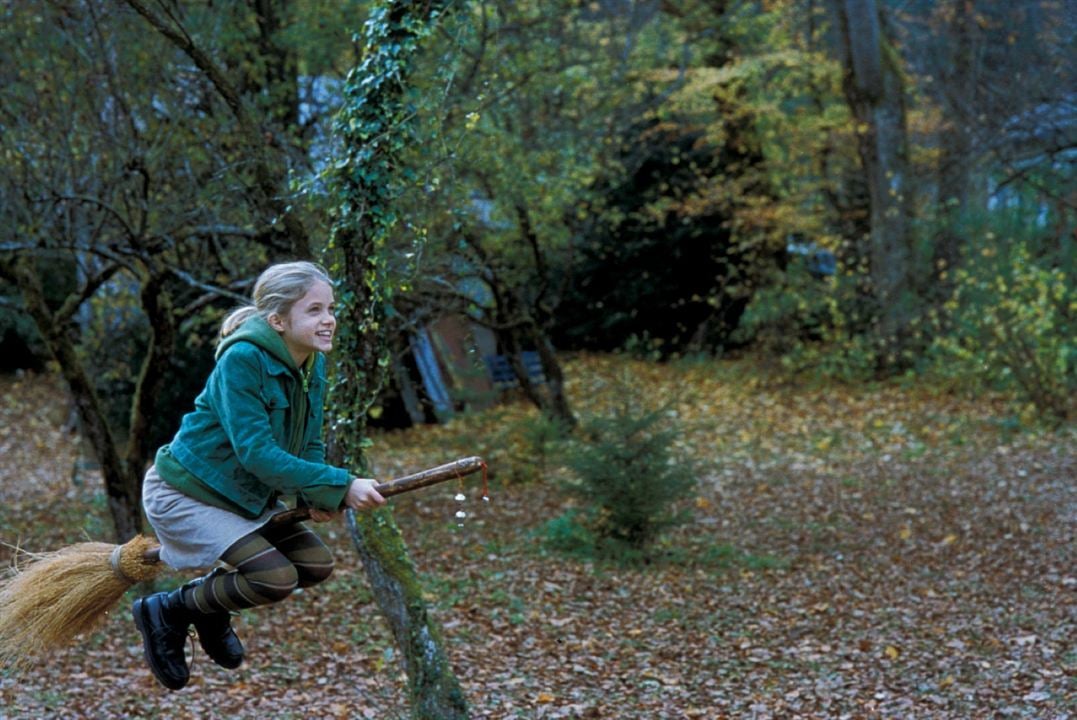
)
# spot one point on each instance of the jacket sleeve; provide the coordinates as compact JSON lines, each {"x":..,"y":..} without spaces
{"x":244,"y":417}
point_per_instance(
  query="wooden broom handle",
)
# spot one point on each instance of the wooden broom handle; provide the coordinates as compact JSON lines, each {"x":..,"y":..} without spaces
{"x":425,"y":478}
{"x":407,"y":483}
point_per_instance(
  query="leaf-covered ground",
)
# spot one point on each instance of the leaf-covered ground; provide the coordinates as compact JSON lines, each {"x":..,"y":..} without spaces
{"x":883,"y":552}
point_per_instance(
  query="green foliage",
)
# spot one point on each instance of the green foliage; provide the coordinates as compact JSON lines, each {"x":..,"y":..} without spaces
{"x":544,"y":437}
{"x":659,"y":263}
{"x":530,"y":98}
{"x":526,"y":120}
{"x":812,"y":326}
{"x":1012,"y":323}
{"x":788,"y":310}
{"x":629,"y":481}
{"x":569,"y":533}
{"x":753,"y":140}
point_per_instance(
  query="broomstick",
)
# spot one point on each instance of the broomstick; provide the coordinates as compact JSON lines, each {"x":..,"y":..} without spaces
{"x":64,"y":593}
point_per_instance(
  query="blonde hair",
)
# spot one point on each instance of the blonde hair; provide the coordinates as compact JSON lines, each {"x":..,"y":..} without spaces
{"x":277,"y":289}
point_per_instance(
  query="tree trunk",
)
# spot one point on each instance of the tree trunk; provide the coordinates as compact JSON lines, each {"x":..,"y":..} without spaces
{"x":958,"y":193}
{"x":875,"y":94}
{"x":122,"y":488}
{"x":157,"y":304}
{"x":516,"y":329}
{"x":553,"y":402}
{"x":551,"y":399}
{"x":558,"y":407}
{"x":372,"y":126}
{"x":434,"y":691}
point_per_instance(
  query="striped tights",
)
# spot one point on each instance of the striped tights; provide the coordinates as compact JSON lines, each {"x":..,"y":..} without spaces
{"x":266,"y":567}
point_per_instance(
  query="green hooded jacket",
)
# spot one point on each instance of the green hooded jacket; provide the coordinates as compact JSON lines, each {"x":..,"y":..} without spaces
{"x":255,"y":431}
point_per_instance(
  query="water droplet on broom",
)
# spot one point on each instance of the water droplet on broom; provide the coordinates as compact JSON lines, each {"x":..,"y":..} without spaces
{"x":460,"y":497}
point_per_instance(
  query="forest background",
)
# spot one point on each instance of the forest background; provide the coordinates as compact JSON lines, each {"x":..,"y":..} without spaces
{"x":844,"y":196}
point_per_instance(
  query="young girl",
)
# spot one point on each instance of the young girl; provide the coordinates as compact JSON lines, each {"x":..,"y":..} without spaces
{"x":253,"y":436}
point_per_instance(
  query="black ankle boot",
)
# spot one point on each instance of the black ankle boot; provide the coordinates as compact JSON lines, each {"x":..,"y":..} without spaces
{"x":219,"y":640}
{"x":163,"y":620}
{"x":215,"y":633}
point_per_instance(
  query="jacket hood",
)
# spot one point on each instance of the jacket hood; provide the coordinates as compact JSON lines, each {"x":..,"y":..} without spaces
{"x":256,"y":330}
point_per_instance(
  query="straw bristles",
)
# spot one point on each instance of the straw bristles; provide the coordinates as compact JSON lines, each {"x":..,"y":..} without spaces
{"x":60,"y":595}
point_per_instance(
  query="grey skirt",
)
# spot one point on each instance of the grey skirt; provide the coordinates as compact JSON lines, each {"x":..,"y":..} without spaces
{"x":193,"y":534}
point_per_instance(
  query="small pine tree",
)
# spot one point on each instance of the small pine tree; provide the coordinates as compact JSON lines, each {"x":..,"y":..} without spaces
{"x":629,"y":478}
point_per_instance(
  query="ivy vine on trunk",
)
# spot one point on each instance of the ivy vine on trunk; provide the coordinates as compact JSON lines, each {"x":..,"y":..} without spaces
{"x":372,"y":127}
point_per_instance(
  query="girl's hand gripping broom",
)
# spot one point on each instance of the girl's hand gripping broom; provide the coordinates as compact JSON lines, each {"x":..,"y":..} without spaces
{"x":60,"y":595}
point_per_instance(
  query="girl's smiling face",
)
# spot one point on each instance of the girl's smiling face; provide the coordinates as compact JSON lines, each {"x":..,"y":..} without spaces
{"x":309,"y":325}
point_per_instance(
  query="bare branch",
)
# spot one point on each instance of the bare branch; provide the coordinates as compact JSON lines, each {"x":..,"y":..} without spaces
{"x":15,"y":247}
{"x":267,"y":182}
{"x":215,"y":231}
{"x":183,"y":41}
{"x":101,"y":204}
{"x":206,"y":287}
{"x":73,"y":301}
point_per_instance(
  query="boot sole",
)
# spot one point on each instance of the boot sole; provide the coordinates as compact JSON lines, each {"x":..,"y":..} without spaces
{"x":170,"y":683}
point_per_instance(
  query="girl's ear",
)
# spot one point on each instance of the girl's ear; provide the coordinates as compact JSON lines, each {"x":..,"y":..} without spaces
{"x":275,"y":322}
